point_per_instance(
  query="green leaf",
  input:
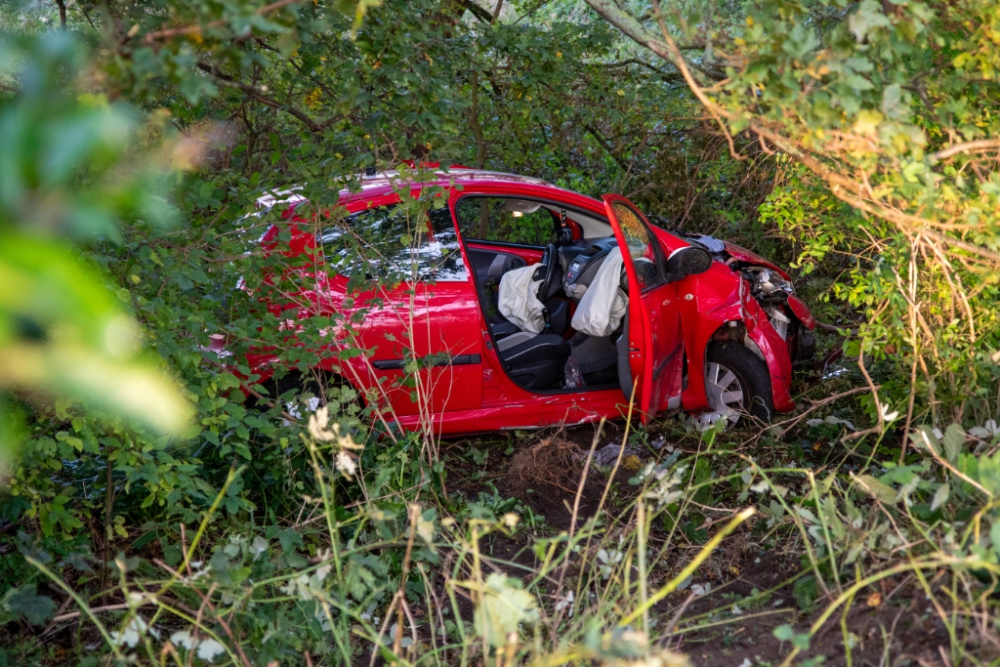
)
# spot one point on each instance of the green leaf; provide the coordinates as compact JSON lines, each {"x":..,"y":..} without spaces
{"x":867,"y":122}
{"x":893,"y":104}
{"x":503,"y":606}
{"x":925,"y":439}
{"x":884,"y":493}
{"x":786,"y":633}
{"x":940,"y":496}
{"x":954,"y":440}
{"x":866,"y":18}
{"x":85,"y":348}
{"x":37,"y":609}
{"x":853,"y":554}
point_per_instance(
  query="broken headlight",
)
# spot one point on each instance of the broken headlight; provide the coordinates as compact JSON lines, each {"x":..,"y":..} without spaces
{"x":767,"y":284}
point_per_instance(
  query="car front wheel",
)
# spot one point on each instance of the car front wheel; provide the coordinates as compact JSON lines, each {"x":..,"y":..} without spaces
{"x":738,"y":384}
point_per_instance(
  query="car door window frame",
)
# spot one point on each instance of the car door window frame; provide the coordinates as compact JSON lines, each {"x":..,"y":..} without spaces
{"x":660,"y":262}
{"x":509,"y":244}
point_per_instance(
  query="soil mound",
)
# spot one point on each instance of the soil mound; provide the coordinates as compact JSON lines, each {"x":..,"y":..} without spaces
{"x":552,"y":465}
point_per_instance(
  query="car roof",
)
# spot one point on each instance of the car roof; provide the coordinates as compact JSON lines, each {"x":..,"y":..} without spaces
{"x":382,"y":183}
{"x":457,"y":173}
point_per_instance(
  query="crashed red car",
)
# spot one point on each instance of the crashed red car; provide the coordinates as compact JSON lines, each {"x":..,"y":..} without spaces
{"x":497,"y":298}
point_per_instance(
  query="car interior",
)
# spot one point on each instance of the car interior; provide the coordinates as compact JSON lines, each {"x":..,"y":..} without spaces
{"x":497,"y":231}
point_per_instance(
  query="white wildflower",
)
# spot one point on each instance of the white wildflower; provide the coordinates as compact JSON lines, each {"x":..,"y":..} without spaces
{"x":346,"y":464}
{"x":566,"y":602}
{"x":887,"y":416}
{"x":318,"y":423}
{"x":131,"y":634}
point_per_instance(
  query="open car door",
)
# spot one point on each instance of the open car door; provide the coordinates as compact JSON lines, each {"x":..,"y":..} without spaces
{"x":653,"y":333}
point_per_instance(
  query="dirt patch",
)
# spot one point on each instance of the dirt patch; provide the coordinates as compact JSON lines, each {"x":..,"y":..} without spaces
{"x":550,"y":466}
{"x":899,"y":631}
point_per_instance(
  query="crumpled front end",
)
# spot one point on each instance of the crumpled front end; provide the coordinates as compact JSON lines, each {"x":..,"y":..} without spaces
{"x":719,"y":305}
{"x":786,"y":312}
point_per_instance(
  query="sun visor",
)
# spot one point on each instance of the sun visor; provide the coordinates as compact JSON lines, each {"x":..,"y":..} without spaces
{"x":521,"y":205}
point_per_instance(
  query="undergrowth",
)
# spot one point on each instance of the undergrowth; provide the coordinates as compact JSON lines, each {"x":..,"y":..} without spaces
{"x":404,"y":564}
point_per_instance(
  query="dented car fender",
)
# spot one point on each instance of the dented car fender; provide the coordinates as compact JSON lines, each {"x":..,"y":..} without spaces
{"x":709,"y":302}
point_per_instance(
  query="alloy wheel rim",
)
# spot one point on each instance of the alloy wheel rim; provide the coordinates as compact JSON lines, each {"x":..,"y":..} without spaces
{"x":725,"y":392}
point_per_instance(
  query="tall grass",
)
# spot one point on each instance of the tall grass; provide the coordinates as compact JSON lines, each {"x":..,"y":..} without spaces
{"x":409,"y":578}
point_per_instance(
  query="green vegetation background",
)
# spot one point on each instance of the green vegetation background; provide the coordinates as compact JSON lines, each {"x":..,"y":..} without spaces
{"x":853,"y":142}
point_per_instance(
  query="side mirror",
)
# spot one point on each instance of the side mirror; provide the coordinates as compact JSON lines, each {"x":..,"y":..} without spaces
{"x":689,"y":261}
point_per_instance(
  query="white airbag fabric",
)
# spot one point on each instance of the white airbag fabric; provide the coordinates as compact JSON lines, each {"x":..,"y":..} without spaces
{"x":518,"y":299}
{"x":601,"y":309}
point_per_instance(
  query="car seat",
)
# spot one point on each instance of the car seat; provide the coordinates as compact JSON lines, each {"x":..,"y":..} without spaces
{"x":538,"y":362}
{"x":596,"y":358}
{"x":490,"y":282}
{"x":533,"y":357}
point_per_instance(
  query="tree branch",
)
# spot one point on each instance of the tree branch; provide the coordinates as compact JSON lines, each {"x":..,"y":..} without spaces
{"x":62,"y":14}
{"x":477,"y":128}
{"x":667,"y":76}
{"x":197,"y":29}
{"x":230,"y":82}
{"x":477,"y":11}
{"x":606,"y":145}
{"x":968,"y":147}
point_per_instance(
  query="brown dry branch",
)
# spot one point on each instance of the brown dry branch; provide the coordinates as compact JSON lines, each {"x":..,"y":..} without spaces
{"x":849,"y":187}
{"x":196,"y":29}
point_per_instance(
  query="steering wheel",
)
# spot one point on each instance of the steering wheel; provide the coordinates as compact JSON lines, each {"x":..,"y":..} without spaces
{"x":549,"y":259}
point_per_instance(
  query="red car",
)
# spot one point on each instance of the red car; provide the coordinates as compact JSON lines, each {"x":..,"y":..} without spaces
{"x":530,"y":305}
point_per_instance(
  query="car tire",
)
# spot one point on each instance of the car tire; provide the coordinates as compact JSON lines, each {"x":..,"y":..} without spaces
{"x":733,"y":369}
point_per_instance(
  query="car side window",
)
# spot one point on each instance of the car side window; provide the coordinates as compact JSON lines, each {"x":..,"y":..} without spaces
{"x":641,"y":246}
{"x":395,"y":245}
{"x":507,"y":220}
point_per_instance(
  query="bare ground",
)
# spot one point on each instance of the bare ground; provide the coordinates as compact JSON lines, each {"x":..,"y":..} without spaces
{"x":890,"y":626}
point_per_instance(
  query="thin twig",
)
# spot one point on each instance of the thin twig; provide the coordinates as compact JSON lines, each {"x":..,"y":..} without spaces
{"x":794,"y":421}
{"x":197,"y":29}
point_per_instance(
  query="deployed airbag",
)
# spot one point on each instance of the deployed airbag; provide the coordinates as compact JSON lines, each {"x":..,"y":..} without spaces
{"x":518,"y":299}
{"x":602,"y":307}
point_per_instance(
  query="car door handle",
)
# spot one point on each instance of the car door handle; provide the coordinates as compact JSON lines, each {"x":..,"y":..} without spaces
{"x":389,"y":364}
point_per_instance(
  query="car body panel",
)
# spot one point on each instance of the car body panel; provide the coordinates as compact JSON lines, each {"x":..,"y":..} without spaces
{"x":707,"y":302}
{"x":670,"y":326}
{"x":750,"y":257}
{"x":425,"y":322}
{"x":801,"y":311}
{"x":508,"y":415}
{"x":774,"y":350}
{"x":711,"y":301}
